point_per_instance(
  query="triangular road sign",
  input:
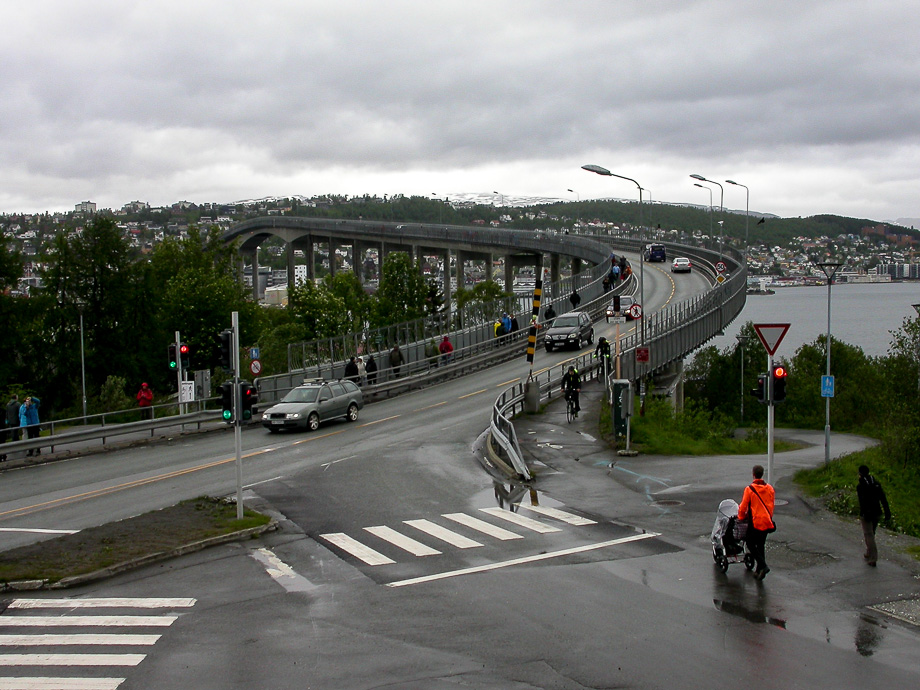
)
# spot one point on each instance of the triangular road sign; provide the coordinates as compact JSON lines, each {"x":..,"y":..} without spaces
{"x":771,"y":335}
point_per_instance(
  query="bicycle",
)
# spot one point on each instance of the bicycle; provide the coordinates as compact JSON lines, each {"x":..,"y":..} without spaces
{"x":571,"y":411}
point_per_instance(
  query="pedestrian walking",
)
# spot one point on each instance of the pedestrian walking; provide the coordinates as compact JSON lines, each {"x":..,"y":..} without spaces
{"x":396,"y":360}
{"x":758,"y":502}
{"x":446,"y":348}
{"x":514,"y":324}
{"x":549,"y":314}
{"x":606,"y":283}
{"x":872,"y":503}
{"x":351,"y":370}
{"x":362,"y":371}
{"x":145,"y":401}
{"x":371,"y":368}
{"x":575,"y":299}
{"x":28,"y":418}
{"x":431,"y":354}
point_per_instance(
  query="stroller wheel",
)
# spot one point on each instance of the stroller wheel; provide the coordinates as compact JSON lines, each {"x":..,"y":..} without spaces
{"x":715,"y":554}
{"x":748,"y":561}
{"x":722,"y":563}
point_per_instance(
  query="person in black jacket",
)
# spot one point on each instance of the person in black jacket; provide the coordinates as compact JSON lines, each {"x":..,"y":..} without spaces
{"x":370,"y":366}
{"x":571,"y":386}
{"x":872,"y":501}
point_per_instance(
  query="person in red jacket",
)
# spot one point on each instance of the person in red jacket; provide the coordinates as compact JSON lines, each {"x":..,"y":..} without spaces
{"x":446,"y":349}
{"x":759,"y":498}
{"x":145,"y":401}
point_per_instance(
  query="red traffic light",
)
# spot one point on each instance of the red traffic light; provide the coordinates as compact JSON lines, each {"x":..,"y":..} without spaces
{"x":780,"y":372}
{"x":183,"y":349}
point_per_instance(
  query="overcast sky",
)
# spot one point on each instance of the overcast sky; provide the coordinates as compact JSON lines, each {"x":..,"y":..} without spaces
{"x":813,"y":105}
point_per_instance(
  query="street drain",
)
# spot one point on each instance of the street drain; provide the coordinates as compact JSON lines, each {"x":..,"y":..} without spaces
{"x":668,"y":503}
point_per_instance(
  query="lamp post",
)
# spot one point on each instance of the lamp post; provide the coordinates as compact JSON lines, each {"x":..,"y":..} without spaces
{"x":721,"y":202}
{"x":917,"y":309}
{"x":82,"y":363}
{"x":829,"y":268}
{"x":440,"y":206}
{"x":577,"y":219}
{"x":708,"y":189}
{"x":747,"y":214}
{"x":502,"y":196}
{"x":603,"y":171}
{"x":742,"y":341}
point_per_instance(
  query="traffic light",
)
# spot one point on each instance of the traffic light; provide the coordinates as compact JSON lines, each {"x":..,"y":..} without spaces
{"x":247,"y":400}
{"x":173,"y":359}
{"x":226,"y":400}
{"x":779,"y":383}
{"x":761,"y":391}
{"x":226,"y":349}
{"x":183,"y":355}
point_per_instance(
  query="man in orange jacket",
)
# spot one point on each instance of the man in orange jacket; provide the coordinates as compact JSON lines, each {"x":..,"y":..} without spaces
{"x":759,"y":498}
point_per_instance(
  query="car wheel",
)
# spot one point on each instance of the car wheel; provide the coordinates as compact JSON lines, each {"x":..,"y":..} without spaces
{"x":272,"y":430}
{"x":549,"y":348}
{"x":352,"y":412}
{"x":313,"y":421}
{"x":591,"y":337}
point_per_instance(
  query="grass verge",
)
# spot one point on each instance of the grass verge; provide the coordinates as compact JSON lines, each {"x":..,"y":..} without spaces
{"x":102,"y":547}
{"x":835,"y":485}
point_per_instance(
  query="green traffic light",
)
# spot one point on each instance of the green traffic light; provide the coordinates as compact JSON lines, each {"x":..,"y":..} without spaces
{"x":172,"y":365}
{"x":228,"y":414}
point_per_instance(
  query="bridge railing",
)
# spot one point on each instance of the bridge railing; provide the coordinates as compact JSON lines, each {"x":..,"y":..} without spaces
{"x":670,"y":334}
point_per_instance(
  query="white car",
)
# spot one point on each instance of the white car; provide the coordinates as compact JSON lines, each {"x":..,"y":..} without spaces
{"x":628,"y":307}
{"x":681,"y":265}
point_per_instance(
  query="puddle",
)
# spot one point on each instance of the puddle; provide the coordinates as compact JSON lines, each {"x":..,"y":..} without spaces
{"x":752,"y":615}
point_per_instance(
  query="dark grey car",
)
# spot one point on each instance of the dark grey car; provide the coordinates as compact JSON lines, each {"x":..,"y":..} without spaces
{"x":305,"y":407}
{"x":569,"y":330}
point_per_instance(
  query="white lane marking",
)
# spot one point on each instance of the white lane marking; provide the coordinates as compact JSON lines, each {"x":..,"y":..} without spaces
{"x":355,"y":548}
{"x":82,"y":639}
{"x":38,"y":530}
{"x":71,"y":659}
{"x":520,"y":520}
{"x":75,"y":621}
{"x":521,"y":561}
{"x":264,"y":481}
{"x":113,"y":602}
{"x":327,"y":465}
{"x":443,"y":534}
{"x":416,"y":548}
{"x":281,"y":572}
{"x":483,"y":526}
{"x":558,"y":514}
{"x":45,"y":683}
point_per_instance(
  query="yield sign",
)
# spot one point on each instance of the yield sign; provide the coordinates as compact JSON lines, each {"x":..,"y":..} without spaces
{"x":771,"y":335}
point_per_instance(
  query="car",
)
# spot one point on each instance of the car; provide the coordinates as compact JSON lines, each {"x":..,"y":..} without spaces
{"x":624,"y":305}
{"x":307,"y":406}
{"x":569,"y":330}
{"x":681,"y":264}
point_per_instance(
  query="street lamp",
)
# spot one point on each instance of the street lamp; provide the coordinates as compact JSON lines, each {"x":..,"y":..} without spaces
{"x":575,"y":193}
{"x":917,"y":309}
{"x":577,"y":219}
{"x":742,"y":341}
{"x":440,"y":206}
{"x":603,"y":171}
{"x":708,"y":189}
{"x":830,"y":269}
{"x":502,"y":198}
{"x":82,"y":363}
{"x":721,"y":203}
{"x":747,"y":214}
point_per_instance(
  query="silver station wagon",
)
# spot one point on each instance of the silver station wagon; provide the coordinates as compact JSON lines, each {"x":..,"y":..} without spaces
{"x":307,"y":406}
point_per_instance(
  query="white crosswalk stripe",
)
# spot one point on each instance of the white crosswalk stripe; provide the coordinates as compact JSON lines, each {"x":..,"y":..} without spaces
{"x":416,"y":548}
{"x":47,"y":650}
{"x":444,"y":534}
{"x":520,"y":520}
{"x":371,"y":556}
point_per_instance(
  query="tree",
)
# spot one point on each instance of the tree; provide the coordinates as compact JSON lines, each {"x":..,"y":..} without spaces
{"x":319,"y":312}
{"x":358,"y":306}
{"x":402,"y":292}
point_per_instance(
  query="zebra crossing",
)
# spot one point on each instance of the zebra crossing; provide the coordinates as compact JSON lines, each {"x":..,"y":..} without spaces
{"x":26,"y":648}
{"x":479,"y":530}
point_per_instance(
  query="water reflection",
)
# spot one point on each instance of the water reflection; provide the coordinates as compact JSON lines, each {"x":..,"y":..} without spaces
{"x":868,"y":635}
{"x":753,"y":614}
{"x":508,"y":497}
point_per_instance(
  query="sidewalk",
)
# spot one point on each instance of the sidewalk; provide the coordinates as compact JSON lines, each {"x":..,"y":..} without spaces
{"x":678,"y":496}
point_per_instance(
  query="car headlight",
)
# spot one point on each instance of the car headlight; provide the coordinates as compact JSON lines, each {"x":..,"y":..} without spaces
{"x":292,"y":415}
{"x":572,"y":336}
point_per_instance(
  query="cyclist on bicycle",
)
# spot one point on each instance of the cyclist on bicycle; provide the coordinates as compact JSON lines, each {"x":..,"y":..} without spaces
{"x":571,"y":386}
{"x":603,"y":351}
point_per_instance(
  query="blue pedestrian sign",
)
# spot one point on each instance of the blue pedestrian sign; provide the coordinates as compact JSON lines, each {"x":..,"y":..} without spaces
{"x":253,"y":353}
{"x":827,"y":386}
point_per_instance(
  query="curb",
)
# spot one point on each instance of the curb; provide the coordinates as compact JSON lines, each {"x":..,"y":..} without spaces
{"x":76,"y":580}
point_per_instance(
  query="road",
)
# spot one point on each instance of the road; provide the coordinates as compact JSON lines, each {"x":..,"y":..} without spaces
{"x":607,"y":588}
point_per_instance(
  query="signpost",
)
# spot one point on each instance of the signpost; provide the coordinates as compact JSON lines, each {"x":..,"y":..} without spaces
{"x":770,"y":335}
{"x":827,"y":386}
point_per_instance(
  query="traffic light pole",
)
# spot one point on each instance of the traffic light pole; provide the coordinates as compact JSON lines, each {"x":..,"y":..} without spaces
{"x":179,"y":373}
{"x":237,"y":414}
{"x":770,"y":418}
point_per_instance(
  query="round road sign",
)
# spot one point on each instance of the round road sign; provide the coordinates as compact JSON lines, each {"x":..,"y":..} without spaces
{"x":635,"y":311}
{"x":255,"y":366}
{"x":721,"y":267}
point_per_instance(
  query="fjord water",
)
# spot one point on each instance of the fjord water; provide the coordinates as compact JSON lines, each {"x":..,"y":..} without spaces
{"x":861,"y":315}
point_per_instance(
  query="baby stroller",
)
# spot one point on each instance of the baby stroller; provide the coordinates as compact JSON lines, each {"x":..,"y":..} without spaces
{"x":728,"y":538}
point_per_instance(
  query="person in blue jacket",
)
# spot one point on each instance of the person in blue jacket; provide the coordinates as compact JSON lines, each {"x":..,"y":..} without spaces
{"x":28,"y":419}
